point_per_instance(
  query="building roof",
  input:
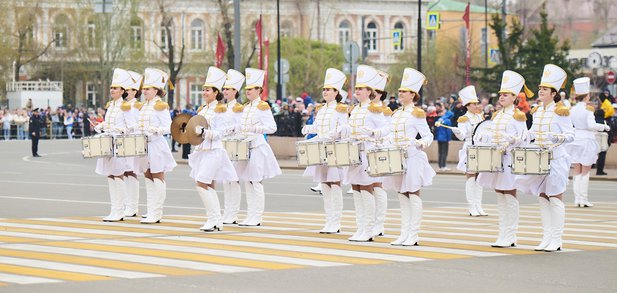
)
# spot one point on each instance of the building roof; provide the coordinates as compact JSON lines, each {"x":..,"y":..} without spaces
{"x":451,"y":5}
{"x":609,"y":39}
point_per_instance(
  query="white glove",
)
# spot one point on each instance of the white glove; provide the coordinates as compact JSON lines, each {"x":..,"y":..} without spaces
{"x":207,"y":134}
{"x":483,"y":137}
{"x":199,"y":130}
{"x":420,"y":144}
{"x":366,"y":131}
{"x":528,"y":136}
{"x":456,"y":131}
{"x":511,"y":139}
{"x":120,"y":130}
{"x":154,"y":130}
{"x":332,"y":134}
{"x":250,"y":128}
{"x":607,"y":128}
{"x":306,"y":129}
{"x":99,"y":127}
{"x":555,"y":138}
{"x":345,"y":131}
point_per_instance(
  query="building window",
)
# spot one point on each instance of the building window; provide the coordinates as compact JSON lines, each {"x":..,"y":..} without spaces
{"x":401,"y":28}
{"x":195,"y":94}
{"x":344,"y":32}
{"x":91,"y":94}
{"x":197,"y":34}
{"x":91,"y":35}
{"x":136,"y":34}
{"x":164,"y":25}
{"x":286,"y":29}
{"x":371,"y":36}
{"x":61,"y":32}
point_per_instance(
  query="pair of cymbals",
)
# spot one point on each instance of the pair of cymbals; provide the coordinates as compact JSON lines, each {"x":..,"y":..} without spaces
{"x":183,"y":128}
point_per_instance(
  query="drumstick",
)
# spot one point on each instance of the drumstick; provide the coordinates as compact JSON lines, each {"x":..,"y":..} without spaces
{"x":439,"y":124}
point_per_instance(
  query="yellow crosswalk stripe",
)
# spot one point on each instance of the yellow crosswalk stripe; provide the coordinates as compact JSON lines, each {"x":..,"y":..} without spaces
{"x":14,"y":239}
{"x":118,"y":227}
{"x":179,"y":255}
{"x":52,"y":274}
{"x":59,"y":233}
{"x":99,"y":262}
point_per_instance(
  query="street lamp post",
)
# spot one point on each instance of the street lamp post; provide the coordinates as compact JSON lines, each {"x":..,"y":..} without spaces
{"x":419,"y":61}
{"x":279,"y":72}
{"x":236,"y":35}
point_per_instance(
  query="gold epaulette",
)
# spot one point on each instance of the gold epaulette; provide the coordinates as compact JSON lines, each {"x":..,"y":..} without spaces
{"x":533,"y":110}
{"x":462,"y":119}
{"x":374,"y":108}
{"x":342,"y":108}
{"x":220,"y":108}
{"x":107,"y":105}
{"x":418,"y":113}
{"x":238,"y":108}
{"x":590,"y":108}
{"x":263,"y":106}
{"x":562,"y":110}
{"x":494,"y":114}
{"x":318,"y":107}
{"x":352,"y":107}
{"x":519,"y":115}
{"x":200,"y":108}
{"x":138,"y":105}
{"x":160,"y":106}
{"x":386,"y":111}
{"x":125,"y":106}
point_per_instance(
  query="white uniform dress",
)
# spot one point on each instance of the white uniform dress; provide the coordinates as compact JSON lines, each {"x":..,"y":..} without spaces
{"x":256,"y":121}
{"x":546,"y":123}
{"x":504,"y":125}
{"x":132,"y":116}
{"x":115,"y":122}
{"x":408,"y":122}
{"x":584,"y":149}
{"x":466,"y":126}
{"x":155,"y":117}
{"x":330,"y":120}
{"x":209,"y":161}
{"x":231,"y":189}
{"x":131,"y":201}
{"x":365,"y":116}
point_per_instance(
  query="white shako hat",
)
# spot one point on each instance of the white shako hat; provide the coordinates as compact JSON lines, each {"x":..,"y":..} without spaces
{"x":412,"y":80}
{"x":254,"y":78}
{"x":553,"y":76}
{"x":581,"y":86}
{"x":468,"y":95}
{"x":155,"y":78}
{"x":136,"y":80}
{"x":235,"y":79}
{"x":121,"y":78}
{"x":511,"y":82}
{"x":215,"y":78}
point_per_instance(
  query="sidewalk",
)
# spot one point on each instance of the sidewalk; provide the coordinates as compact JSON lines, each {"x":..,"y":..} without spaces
{"x":293,"y":164}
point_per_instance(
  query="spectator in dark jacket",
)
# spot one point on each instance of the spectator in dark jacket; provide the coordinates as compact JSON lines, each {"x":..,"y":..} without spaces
{"x":443,"y":136}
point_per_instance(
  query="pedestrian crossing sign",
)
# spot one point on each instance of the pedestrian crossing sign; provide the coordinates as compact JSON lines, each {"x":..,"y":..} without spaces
{"x":432,"y":20}
{"x":397,"y":35}
{"x":493,"y":56}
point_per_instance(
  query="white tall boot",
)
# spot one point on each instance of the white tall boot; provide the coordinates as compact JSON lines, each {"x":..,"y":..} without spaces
{"x":512,"y":221}
{"x":478,"y":198}
{"x":359,"y":207}
{"x":584,"y":191}
{"x":116,"y":212}
{"x":576,"y":179}
{"x":405,"y":219}
{"x":415,"y":208}
{"x":558,"y":213}
{"x":158,"y":197}
{"x":545,"y":212}
{"x":250,"y":203}
{"x":503,"y":212}
{"x":327,"y":206}
{"x":337,"y":208}
{"x":149,"y":200}
{"x":470,"y":194}
{"x":131,"y":202}
{"x":233,"y":196}
{"x":213,"y":210}
{"x":368,"y":204}
{"x":259,"y":201}
{"x":381,"y":207}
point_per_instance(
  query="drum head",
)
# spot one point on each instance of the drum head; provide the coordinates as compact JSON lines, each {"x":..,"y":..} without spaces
{"x":195,"y":138}
{"x":484,"y":126}
{"x":178,"y":128}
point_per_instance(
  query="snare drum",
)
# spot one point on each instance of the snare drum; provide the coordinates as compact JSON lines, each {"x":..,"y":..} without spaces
{"x":97,"y":147}
{"x":238,"y":149}
{"x":387,"y":161}
{"x":531,"y":161}
{"x":484,"y":159}
{"x":343,"y":153}
{"x":131,"y":145}
{"x":310,"y":152}
{"x":602,"y":139}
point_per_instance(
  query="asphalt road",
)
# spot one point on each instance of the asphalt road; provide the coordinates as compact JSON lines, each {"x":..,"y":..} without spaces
{"x":61,"y":190}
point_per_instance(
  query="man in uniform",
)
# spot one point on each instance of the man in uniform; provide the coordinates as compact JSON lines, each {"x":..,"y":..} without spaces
{"x":35,"y":131}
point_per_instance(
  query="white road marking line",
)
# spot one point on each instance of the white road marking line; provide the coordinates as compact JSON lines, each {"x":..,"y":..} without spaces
{"x":24,"y":280}
{"x":36,"y":235}
{"x":77,"y":230}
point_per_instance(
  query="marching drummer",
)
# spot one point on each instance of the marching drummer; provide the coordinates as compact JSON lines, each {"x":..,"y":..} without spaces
{"x":365,"y":124}
{"x":154,"y":121}
{"x":584,"y":149}
{"x":551,"y":128}
{"x":209,"y":162}
{"x":329,"y":122}
{"x":508,"y":125}
{"x":464,"y":131}
{"x":256,"y":120}
{"x":381,"y":196}
{"x":231,"y":189}
{"x":407,"y":123}
{"x":115,"y":123}
{"x":131,"y":201}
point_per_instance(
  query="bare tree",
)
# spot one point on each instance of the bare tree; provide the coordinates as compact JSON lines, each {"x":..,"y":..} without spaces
{"x":169,"y":49}
{"x":227,"y":33}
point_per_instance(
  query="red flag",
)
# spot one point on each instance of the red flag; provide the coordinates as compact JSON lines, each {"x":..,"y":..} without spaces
{"x":220,"y":51}
{"x":264,"y":94}
{"x":466,"y":16}
{"x":258,"y":31}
